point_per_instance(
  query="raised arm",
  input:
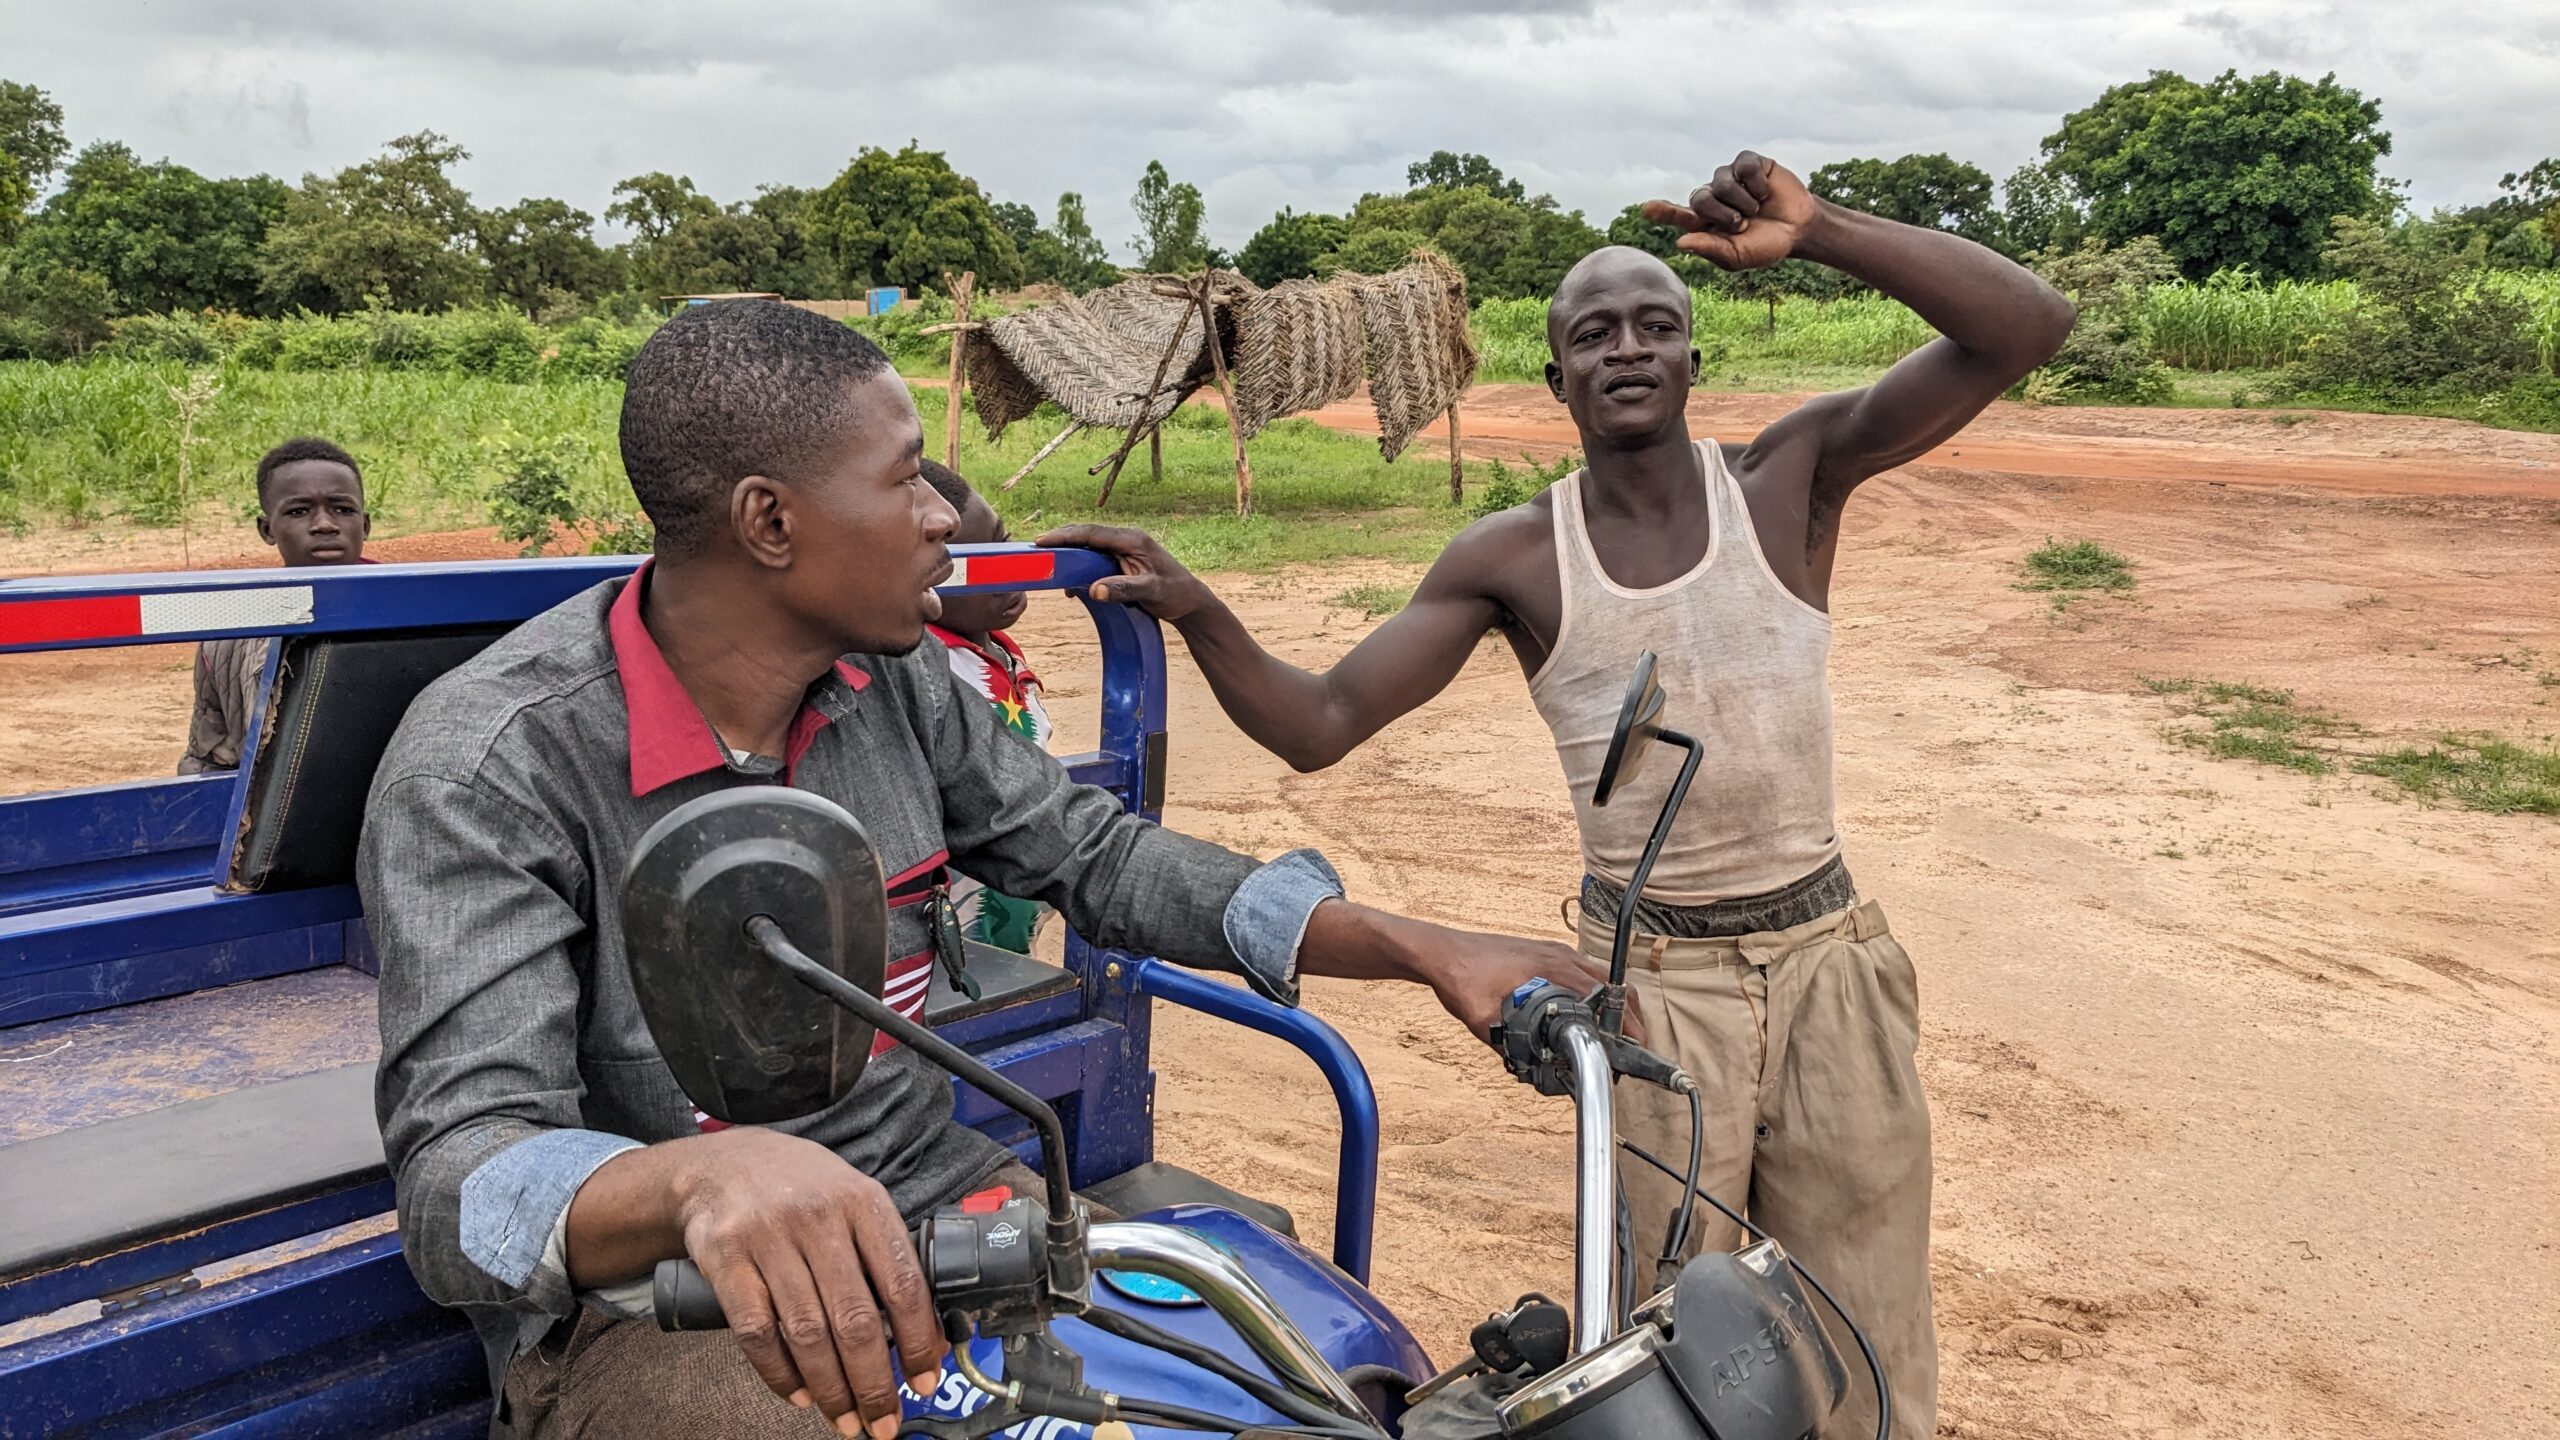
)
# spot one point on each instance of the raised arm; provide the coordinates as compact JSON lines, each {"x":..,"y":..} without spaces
{"x":1307,"y":718}
{"x":1995,"y":319}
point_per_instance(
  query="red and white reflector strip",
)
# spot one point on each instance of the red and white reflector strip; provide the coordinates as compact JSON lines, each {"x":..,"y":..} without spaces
{"x":1001,"y":569}
{"x":118,"y":617}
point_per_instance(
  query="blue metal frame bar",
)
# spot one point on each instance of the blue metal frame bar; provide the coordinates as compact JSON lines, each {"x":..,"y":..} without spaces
{"x":64,"y":843}
{"x":1356,"y":1181}
{"x":50,"y":1290}
{"x":344,"y":1337}
{"x":372,"y":598}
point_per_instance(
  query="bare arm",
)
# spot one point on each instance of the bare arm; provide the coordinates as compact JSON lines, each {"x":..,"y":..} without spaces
{"x":1996,"y":320}
{"x":1307,"y":718}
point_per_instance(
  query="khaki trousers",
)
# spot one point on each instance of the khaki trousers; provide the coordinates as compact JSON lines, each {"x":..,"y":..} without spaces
{"x":1801,"y":1042}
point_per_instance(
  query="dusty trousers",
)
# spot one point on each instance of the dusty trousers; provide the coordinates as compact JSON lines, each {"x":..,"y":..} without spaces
{"x":1801,"y":1041}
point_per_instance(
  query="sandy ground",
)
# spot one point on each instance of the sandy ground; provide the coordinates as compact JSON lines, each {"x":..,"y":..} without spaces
{"x":2247,"y":1106}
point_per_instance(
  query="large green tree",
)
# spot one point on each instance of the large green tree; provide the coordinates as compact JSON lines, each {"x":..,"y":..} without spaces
{"x":1506,"y":248}
{"x":685,"y":243}
{"x":396,"y":229}
{"x":905,"y":217}
{"x":2232,"y":172}
{"x":1068,"y":253}
{"x":542,"y":253}
{"x":161,"y":236}
{"x":653,"y":205}
{"x":1289,"y":247}
{"x":2039,"y":213}
{"x":1936,"y":191}
{"x":1445,"y":170}
{"x":1170,"y":216}
{"x":32,"y":145}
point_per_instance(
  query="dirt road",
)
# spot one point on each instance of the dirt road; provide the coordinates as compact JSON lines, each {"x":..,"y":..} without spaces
{"x":2245,"y":1085}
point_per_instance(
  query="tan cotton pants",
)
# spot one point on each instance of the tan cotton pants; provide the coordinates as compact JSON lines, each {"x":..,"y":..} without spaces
{"x":1801,"y":1042}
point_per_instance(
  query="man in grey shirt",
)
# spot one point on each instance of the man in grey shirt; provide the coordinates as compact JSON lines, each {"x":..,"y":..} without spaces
{"x":544,"y":1155}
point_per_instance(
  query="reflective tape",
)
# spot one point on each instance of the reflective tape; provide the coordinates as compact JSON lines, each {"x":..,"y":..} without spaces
{"x":1002,"y":569}
{"x":116,"y":617}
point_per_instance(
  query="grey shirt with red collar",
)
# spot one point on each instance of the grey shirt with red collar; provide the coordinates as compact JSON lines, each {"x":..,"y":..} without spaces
{"x":514,"y":1057}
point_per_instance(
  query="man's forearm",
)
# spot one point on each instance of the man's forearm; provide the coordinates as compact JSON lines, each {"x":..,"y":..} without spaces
{"x":1979,"y":299}
{"x":1353,"y":942}
{"x":1282,"y":708}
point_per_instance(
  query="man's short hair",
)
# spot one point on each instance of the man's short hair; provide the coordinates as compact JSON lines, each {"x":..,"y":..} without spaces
{"x":732,"y":389}
{"x":948,"y":483}
{"x":304,"y":447}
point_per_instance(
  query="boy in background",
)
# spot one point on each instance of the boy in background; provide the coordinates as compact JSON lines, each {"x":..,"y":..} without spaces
{"x":985,"y":658}
{"x":311,"y":508}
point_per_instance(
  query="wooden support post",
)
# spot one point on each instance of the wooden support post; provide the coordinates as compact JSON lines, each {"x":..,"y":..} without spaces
{"x":1155,"y":454}
{"x":1142,"y":425}
{"x":1044,"y":453}
{"x":959,"y":352}
{"x":1235,"y":422}
{"x":1457,"y":460}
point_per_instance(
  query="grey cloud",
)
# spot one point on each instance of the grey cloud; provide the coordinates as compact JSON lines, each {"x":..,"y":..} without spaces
{"x":1305,"y":104}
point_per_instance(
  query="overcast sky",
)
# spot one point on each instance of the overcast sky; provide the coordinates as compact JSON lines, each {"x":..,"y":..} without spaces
{"x":1307,"y":104}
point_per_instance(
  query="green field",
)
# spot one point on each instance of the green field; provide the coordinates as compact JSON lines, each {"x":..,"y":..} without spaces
{"x":99,"y":441}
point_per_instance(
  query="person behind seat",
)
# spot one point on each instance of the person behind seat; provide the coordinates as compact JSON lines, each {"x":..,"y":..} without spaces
{"x":311,"y":508}
{"x":972,"y":632}
{"x":545,"y":1158}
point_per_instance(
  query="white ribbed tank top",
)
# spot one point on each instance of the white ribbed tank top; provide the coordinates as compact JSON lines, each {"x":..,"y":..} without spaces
{"x":1744,"y":667}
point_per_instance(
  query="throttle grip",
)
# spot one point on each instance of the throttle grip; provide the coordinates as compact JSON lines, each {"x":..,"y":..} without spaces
{"x":683,"y":1299}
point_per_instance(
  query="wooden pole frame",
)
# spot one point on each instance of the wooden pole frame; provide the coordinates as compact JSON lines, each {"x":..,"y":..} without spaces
{"x":1457,"y":460}
{"x":1044,"y":453}
{"x":960,"y":292}
{"x":1235,"y":422}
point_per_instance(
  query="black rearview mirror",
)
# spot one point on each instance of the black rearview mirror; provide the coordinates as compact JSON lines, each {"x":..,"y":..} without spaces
{"x":749,"y":1043}
{"x":1639,"y":718}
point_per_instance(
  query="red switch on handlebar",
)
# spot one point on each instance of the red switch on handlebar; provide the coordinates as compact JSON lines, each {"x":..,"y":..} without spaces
{"x":987,"y":1201}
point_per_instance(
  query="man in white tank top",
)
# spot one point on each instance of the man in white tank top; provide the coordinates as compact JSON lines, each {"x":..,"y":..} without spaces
{"x":1756,"y":964}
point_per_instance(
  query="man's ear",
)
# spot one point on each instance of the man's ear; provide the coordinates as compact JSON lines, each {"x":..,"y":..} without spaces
{"x":266,"y":531}
{"x":1696,"y":363}
{"x":760,"y":518}
{"x":1555,"y":381}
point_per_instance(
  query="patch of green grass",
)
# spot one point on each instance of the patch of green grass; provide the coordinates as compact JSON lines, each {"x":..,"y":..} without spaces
{"x":2241,"y":721}
{"x":2075,"y":565}
{"x":1373,"y":599}
{"x":2477,"y":772}
{"x":1318,"y":495}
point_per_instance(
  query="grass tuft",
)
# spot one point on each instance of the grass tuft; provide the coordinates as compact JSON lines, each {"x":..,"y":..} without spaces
{"x":2075,"y":565}
{"x":1373,"y":599}
{"x":2477,"y":772}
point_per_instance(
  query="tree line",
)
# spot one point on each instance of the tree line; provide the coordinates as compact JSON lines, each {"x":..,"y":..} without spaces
{"x":2251,"y":176}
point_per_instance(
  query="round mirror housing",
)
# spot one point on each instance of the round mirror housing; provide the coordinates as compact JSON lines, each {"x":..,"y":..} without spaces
{"x":1639,"y":722}
{"x":747,"y":1042}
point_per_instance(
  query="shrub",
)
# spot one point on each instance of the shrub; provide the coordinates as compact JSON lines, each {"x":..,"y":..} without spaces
{"x":501,"y":344}
{"x":531,"y":491}
{"x":1506,"y":488}
{"x":318,"y":342}
{"x":2108,"y":355}
{"x":2428,"y":328}
{"x":189,"y":338}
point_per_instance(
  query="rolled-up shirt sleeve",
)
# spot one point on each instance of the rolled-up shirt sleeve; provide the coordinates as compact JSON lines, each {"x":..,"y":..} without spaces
{"x":473,"y":906}
{"x":1014,"y":820}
